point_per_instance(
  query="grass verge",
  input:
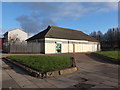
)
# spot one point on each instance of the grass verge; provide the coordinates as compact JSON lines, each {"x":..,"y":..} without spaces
{"x":111,"y":54}
{"x":43,"y":62}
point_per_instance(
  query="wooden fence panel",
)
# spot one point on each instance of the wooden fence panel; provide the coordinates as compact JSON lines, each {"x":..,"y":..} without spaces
{"x":33,"y":47}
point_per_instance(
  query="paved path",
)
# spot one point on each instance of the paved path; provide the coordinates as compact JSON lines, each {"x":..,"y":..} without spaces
{"x":92,"y":72}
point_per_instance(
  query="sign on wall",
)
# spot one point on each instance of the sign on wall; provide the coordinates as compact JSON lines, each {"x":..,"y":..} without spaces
{"x":58,"y":48}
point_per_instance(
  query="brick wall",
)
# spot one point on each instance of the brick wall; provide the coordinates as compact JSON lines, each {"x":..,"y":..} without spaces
{"x":1,"y":43}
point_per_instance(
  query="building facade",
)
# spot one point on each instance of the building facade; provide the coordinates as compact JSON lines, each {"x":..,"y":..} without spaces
{"x":1,"y":43}
{"x":62,"y":40}
{"x":13,"y":36}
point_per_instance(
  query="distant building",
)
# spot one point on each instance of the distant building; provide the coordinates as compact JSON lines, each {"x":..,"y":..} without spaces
{"x":1,"y":43}
{"x":62,"y":40}
{"x":13,"y":36}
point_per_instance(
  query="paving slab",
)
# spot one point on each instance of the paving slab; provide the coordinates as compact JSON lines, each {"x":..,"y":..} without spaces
{"x":17,"y":78}
{"x":109,"y":83}
{"x":7,"y":81}
{"x":60,"y":83}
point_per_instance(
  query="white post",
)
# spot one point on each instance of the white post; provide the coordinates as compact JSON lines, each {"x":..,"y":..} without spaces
{"x":99,"y":47}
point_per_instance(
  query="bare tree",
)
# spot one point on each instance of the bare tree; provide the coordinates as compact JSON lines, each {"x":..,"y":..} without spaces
{"x":109,"y":40}
{"x":14,"y":39}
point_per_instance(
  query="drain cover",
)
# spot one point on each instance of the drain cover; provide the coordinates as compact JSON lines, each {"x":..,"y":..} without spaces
{"x":83,"y":85}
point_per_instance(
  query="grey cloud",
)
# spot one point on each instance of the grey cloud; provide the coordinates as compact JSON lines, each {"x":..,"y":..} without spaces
{"x":28,"y":24}
{"x":33,"y":25}
{"x":38,"y":19}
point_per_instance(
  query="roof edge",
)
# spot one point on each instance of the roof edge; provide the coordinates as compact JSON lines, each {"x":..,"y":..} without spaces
{"x":14,"y":29}
{"x":48,"y":28}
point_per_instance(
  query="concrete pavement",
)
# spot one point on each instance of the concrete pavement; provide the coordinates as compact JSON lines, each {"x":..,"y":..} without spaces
{"x":92,"y":72}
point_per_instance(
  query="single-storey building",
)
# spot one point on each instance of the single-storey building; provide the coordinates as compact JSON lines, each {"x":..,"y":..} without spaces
{"x":62,"y":40}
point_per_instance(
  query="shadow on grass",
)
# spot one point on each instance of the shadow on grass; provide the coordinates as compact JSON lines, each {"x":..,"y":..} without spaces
{"x":100,"y":59}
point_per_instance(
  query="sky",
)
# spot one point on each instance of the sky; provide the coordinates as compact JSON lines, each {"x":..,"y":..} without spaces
{"x":34,"y":17}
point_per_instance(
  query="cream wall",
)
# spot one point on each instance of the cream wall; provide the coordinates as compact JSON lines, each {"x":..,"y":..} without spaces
{"x":17,"y":33}
{"x":50,"y":48}
{"x":70,"y":48}
{"x":67,"y":45}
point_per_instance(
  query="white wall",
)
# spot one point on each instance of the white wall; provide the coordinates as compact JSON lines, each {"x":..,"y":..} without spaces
{"x":50,"y":45}
{"x":17,"y":33}
{"x":50,"y":48}
{"x":64,"y":47}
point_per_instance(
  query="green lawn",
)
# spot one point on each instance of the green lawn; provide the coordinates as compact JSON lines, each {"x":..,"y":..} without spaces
{"x":111,"y":54}
{"x":43,"y":62}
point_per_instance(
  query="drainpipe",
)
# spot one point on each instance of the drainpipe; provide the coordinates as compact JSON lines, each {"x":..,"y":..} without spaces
{"x":68,"y":46}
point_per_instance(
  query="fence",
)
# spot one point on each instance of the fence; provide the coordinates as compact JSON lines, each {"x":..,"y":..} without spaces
{"x":24,"y":47}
